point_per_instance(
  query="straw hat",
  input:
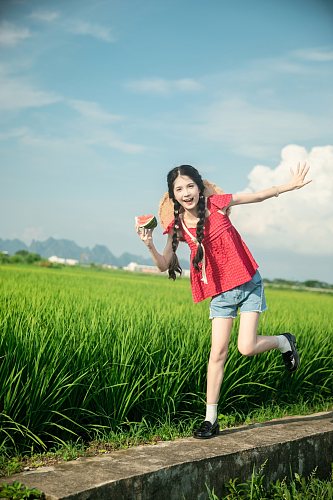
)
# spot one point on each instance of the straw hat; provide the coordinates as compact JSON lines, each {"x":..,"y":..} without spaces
{"x":165,"y":211}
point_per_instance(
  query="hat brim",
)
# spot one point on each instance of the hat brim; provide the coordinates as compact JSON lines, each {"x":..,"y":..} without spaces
{"x":166,"y":207}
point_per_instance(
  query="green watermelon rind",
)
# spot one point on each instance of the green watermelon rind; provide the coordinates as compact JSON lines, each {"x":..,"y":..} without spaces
{"x":151,"y":224}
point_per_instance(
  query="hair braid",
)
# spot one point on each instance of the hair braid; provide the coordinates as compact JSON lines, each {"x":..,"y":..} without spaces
{"x":196,"y":178}
{"x":174,"y":263}
{"x":200,"y":231}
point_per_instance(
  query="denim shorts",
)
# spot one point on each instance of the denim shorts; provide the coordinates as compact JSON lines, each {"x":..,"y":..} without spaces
{"x":249,"y":297}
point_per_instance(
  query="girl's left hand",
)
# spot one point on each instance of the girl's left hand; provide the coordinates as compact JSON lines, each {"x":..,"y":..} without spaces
{"x":298,"y":177}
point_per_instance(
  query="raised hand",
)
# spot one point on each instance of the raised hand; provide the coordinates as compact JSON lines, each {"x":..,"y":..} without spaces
{"x":146,"y":235}
{"x":298,"y":178}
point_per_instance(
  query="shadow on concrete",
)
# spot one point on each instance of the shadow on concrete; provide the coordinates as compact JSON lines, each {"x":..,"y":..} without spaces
{"x":286,"y":420}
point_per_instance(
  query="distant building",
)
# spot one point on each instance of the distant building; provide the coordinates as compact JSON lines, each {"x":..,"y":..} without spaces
{"x":109,"y":266}
{"x":141,"y":268}
{"x":60,"y":260}
{"x":144,"y":268}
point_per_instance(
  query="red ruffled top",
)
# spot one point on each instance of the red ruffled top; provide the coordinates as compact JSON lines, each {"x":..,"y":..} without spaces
{"x":227,"y":261}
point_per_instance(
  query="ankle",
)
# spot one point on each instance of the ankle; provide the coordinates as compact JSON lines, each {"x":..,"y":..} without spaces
{"x":211,"y":412}
{"x":283,"y":343}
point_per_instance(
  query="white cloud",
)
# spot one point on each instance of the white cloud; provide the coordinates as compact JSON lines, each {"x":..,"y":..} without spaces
{"x":15,"y":133}
{"x":49,"y":143}
{"x":91,"y":128}
{"x":16,"y":93}
{"x":47,"y":16}
{"x":301,"y":220}
{"x":315,"y":55}
{"x":90,"y":29}
{"x":110,"y":139}
{"x":87,"y":135}
{"x":11,"y":35}
{"x":94,"y":127}
{"x":256,"y":131}
{"x":94,"y":111}
{"x":163,"y":86}
{"x":186,"y":85}
{"x":294,"y":62}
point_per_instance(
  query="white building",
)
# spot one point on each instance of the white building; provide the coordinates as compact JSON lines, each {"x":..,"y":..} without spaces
{"x":60,"y":260}
{"x":141,"y":268}
{"x":144,"y":268}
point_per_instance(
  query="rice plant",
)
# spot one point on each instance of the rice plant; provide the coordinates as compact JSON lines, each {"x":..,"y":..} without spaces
{"x":85,"y":351}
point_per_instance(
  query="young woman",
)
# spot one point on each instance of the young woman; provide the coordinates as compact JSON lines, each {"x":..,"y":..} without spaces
{"x":223,"y":269}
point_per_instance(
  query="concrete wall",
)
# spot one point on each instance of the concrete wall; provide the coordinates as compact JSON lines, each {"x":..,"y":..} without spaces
{"x":181,"y":469}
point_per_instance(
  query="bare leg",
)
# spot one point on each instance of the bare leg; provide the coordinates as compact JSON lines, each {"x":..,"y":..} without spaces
{"x":249,"y":343}
{"x":221,"y":330}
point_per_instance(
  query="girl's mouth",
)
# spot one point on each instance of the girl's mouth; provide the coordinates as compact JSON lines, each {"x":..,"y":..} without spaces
{"x":188,"y":201}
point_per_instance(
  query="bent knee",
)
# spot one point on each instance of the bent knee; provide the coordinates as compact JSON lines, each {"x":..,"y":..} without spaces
{"x":247,"y":349}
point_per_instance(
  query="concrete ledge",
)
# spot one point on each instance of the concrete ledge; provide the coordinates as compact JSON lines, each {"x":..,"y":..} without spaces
{"x":177,"y":470}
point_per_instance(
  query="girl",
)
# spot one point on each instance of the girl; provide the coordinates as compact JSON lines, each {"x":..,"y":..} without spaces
{"x":223,"y":269}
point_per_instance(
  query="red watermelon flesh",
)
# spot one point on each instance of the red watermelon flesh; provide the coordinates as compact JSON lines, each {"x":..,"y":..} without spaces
{"x":146,"y":221}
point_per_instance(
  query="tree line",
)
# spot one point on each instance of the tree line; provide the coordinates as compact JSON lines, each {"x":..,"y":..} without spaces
{"x":20,"y":257}
{"x":26,"y":257}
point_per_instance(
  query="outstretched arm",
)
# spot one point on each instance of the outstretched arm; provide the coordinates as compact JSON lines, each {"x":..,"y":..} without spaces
{"x":162,"y":261}
{"x":297,"y":181}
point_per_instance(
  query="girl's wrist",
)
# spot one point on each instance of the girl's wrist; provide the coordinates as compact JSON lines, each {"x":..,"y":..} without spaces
{"x":290,"y":187}
{"x":283,"y":188}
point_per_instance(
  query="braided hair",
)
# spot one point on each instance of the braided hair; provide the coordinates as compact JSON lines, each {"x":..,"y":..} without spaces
{"x":191,"y":172}
{"x":200,"y":231}
{"x":174,"y":266}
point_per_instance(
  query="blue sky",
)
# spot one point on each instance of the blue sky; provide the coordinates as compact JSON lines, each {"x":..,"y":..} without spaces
{"x":98,"y":100}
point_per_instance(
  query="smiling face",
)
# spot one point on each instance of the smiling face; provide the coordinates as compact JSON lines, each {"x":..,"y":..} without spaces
{"x":186,"y":192}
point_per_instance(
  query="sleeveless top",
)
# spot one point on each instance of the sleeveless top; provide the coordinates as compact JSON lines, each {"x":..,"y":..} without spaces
{"x":227,"y":262}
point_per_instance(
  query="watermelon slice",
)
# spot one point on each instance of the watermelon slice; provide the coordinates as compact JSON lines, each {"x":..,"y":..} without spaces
{"x":146,"y":221}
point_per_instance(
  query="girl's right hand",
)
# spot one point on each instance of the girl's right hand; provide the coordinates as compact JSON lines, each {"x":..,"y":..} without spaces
{"x":146,"y":235}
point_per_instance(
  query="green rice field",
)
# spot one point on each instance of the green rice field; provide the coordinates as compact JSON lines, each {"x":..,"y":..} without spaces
{"x":85,"y":351}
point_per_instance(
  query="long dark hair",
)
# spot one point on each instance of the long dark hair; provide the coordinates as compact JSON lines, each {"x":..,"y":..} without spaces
{"x":191,"y":172}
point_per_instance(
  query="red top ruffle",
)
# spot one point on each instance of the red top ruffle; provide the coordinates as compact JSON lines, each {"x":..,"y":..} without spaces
{"x":228,"y":261}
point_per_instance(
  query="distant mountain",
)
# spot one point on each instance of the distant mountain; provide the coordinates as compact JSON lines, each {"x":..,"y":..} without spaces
{"x":61,"y":248}
{"x":67,"y":249}
{"x":12,"y":246}
{"x":102,"y":255}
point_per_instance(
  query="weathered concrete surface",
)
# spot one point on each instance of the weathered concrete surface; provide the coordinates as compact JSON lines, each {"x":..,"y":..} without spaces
{"x":178,"y":470}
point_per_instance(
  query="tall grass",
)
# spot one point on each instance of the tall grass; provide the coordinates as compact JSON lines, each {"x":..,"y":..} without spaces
{"x":85,"y":350}
{"x":296,"y":487}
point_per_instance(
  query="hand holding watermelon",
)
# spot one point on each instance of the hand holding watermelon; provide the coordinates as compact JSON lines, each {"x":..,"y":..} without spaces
{"x":144,"y":225}
{"x":146,"y":221}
